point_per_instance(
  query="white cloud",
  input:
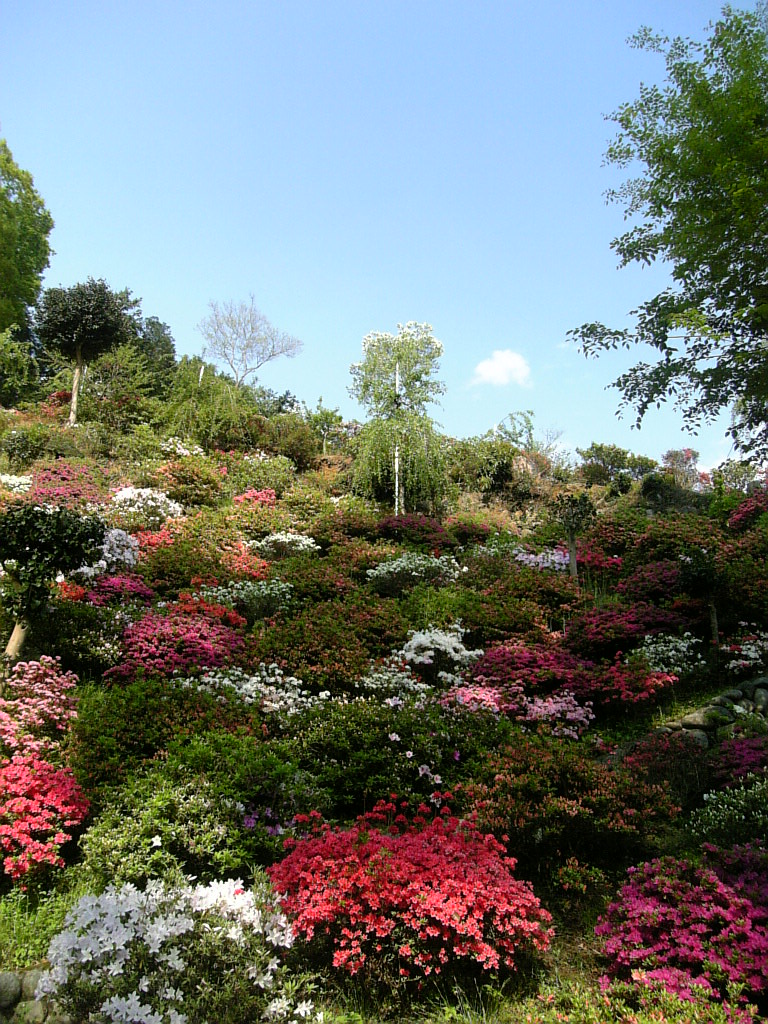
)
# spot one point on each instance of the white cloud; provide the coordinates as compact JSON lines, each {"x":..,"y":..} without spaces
{"x":503,"y":368}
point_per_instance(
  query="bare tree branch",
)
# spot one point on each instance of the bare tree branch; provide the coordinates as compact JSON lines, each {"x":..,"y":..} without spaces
{"x":240,"y":337}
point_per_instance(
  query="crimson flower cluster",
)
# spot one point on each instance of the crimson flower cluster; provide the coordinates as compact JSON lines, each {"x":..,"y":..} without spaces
{"x":421,"y":896}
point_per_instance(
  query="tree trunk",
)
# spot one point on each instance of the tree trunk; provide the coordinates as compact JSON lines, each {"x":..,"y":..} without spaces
{"x":76,"y":382}
{"x":572,"y":566}
{"x":13,"y":650}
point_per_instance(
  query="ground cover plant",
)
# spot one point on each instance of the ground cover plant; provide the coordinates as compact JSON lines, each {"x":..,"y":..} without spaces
{"x":437,"y":743}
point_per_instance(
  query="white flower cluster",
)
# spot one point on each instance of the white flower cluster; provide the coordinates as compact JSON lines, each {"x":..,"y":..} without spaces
{"x":130,"y":954}
{"x":391,"y":576}
{"x":145,"y":506}
{"x":749,"y":651}
{"x":15,"y":484}
{"x":283,"y":545}
{"x":501,"y":545}
{"x":394,"y":679}
{"x":256,"y":599}
{"x":734,"y":816}
{"x":439,"y":654}
{"x":679,"y":655}
{"x":119,"y":550}
{"x":269,"y":687}
{"x":178,"y":448}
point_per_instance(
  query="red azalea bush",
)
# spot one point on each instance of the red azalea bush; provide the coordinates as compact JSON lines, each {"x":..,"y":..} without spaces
{"x":253,"y":496}
{"x":621,"y":683}
{"x":37,"y":803}
{"x":177,"y":643}
{"x":605,"y":632}
{"x":539,"y":668}
{"x":555,"y":800}
{"x":407,"y":899}
{"x":418,"y":531}
{"x":675,"y":922}
{"x":748,"y":512}
{"x":654,"y":581}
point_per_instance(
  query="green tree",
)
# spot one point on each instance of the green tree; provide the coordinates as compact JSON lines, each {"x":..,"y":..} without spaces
{"x":574,"y":512}
{"x":24,"y":250}
{"x":396,"y":382}
{"x":603,"y":463}
{"x":323,"y":422}
{"x":36,"y":543}
{"x":84,"y":321}
{"x":18,"y":370}
{"x":701,"y":205}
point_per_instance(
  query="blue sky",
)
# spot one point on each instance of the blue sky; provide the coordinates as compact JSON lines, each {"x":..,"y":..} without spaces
{"x":355,"y":165}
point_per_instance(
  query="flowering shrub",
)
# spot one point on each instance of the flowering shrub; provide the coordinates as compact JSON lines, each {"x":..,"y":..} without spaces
{"x":175,"y":956}
{"x":747,"y":653}
{"x":605,"y":632}
{"x":737,"y":757}
{"x":678,"y":655}
{"x":417,"y":530}
{"x":735,"y":815}
{"x":268,"y":688}
{"x":622,"y":683}
{"x":437,"y":654}
{"x":559,"y":714}
{"x":180,"y":448}
{"x":66,"y":485}
{"x":674,"y":923}
{"x":650,"y":582}
{"x":241,"y":562}
{"x":285,"y":545}
{"x":554,"y":800}
{"x":178,"y":643}
{"x":256,"y":599}
{"x":539,"y":668}
{"x":393,"y":576}
{"x":37,"y":706}
{"x":123,"y":589}
{"x":409,"y":899}
{"x":160,"y":828}
{"x":673,"y":760}
{"x":252,"y":496}
{"x":192,"y":480}
{"x":38,"y":801}
{"x":15,"y":484}
{"x":118,"y":550}
{"x":749,"y":511}
{"x":142,"y":508}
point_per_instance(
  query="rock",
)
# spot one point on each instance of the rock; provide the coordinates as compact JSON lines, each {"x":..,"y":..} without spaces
{"x":10,"y":989}
{"x":733,"y":695}
{"x":698,"y":736}
{"x":747,"y":705}
{"x":749,"y":688}
{"x":31,"y":1012}
{"x":675,"y":725}
{"x":760,"y":698}
{"x":722,"y":701}
{"x":708,"y":718}
{"x":29,"y":980}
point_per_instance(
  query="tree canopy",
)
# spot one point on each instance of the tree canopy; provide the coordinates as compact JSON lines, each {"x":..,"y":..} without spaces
{"x":25,"y":224}
{"x":237,"y":335}
{"x":84,"y":321}
{"x":700,"y":204}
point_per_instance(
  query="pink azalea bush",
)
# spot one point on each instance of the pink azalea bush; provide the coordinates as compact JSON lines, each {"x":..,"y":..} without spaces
{"x":37,"y":706}
{"x":180,"y":643}
{"x":399,"y":898}
{"x":675,"y":923}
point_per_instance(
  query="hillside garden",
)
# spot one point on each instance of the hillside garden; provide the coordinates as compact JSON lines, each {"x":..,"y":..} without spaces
{"x":271,"y":752}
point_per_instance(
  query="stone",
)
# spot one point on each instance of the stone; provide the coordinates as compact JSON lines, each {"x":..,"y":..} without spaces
{"x":746,"y":705}
{"x":675,"y":725}
{"x":698,"y":736}
{"x":722,"y":701}
{"x":29,"y":980}
{"x":708,"y":718}
{"x":761,"y":700}
{"x":32,"y":1012}
{"x":733,"y":695}
{"x":10,"y":989}
{"x":749,"y":688}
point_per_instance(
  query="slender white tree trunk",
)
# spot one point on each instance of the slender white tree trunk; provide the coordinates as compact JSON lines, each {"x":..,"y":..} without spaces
{"x":76,"y":382}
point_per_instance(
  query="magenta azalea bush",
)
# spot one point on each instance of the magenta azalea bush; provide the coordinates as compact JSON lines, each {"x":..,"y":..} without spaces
{"x":675,"y":923}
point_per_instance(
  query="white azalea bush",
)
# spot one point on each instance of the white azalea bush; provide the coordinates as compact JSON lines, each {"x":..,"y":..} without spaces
{"x":285,"y":545}
{"x":438,"y":655}
{"x":390,"y":578}
{"x":15,"y":484}
{"x":142,"y":508}
{"x":119,"y":550}
{"x":680,"y":656}
{"x":256,"y":599}
{"x":747,"y":652}
{"x":176,"y":955}
{"x":734,"y":816}
{"x":268,"y":687}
